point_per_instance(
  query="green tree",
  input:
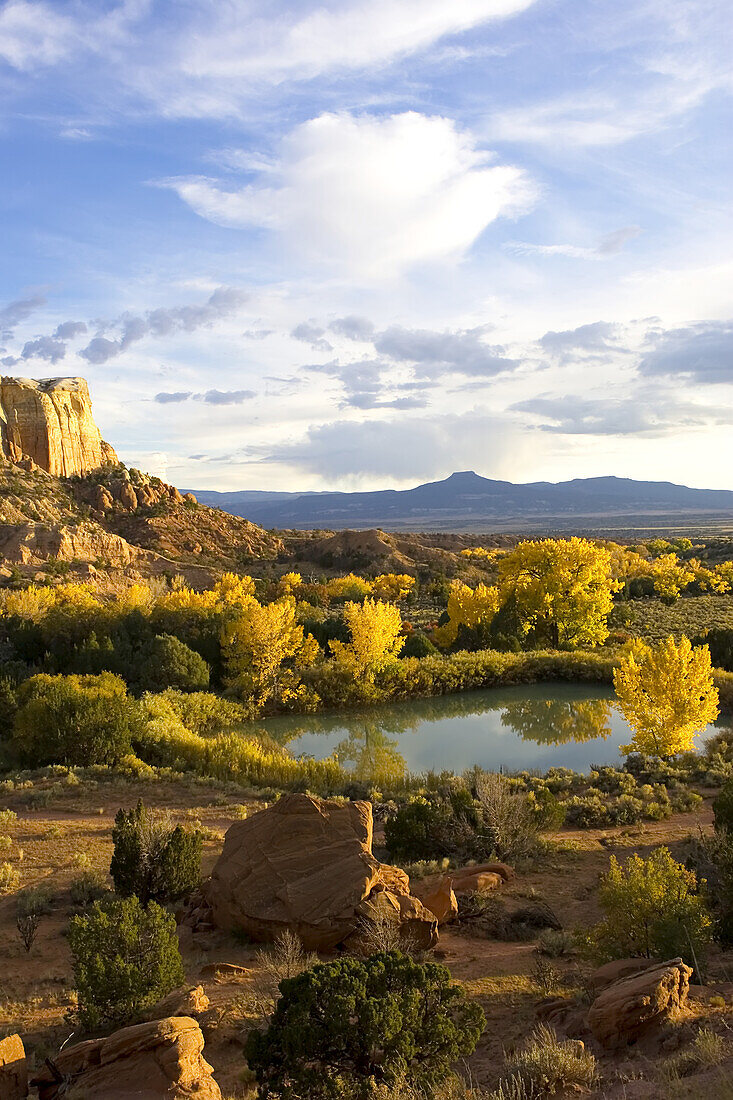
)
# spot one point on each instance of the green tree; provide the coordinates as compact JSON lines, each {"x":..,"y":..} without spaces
{"x":125,"y":958}
{"x":347,"y":1026}
{"x":652,"y":908}
{"x":77,"y":720}
{"x":166,"y":662}
{"x":151,"y":859}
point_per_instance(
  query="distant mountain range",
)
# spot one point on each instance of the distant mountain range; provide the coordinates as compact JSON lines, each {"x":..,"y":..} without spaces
{"x":467,"y":502}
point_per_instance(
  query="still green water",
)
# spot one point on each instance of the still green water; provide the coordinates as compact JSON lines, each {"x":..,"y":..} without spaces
{"x":532,"y":726}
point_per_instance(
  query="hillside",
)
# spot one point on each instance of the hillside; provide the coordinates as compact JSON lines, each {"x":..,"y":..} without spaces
{"x":115,"y":519}
{"x":465,"y":501}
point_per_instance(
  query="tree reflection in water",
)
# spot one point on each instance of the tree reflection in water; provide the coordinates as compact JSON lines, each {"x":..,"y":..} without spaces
{"x":557,"y":721}
{"x":369,"y":740}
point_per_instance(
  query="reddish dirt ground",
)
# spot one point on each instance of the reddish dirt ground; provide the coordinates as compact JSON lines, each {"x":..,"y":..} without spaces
{"x":53,"y":845}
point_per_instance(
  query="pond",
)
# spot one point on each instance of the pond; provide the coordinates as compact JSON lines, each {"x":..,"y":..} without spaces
{"x":529,"y":726}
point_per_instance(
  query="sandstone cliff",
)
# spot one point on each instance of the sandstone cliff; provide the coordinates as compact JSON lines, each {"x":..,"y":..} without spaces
{"x":49,"y":422}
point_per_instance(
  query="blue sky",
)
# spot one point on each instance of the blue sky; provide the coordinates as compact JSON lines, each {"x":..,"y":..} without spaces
{"x":368,"y":242}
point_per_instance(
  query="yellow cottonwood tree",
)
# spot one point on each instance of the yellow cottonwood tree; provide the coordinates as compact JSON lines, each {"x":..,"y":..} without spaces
{"x":627,"y":566}
{"x":264,"y":650}
{"x":350,"y":587}
{"x":375,"y":638}
{"x":393,"y":586}
{"x":666,"y":694}
{"x":562,"y":588}
{"x":670,"y":576}
{"x":723,"y":574}
{"x":469,"y":607}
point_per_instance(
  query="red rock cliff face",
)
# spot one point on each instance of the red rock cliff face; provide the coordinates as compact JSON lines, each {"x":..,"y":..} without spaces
{"x":50,"y":421}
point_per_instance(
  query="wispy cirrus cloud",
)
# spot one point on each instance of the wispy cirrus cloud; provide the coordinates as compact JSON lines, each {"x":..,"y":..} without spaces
{"x":608,"y":246}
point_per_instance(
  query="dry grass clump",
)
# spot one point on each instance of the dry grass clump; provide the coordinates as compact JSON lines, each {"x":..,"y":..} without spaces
{"x":285,"y":959}
{"x":706,"y":1050}
{"x":546,"y":1065}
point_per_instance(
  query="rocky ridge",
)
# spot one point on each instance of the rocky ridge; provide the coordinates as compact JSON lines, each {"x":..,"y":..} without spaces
{"x":48,"y":423}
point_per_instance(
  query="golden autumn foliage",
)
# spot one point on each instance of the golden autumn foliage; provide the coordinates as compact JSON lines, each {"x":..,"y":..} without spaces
{"x":376,"y":640}
{"x":562,"y":589}
{"x":666,"y":694}
{"x":264,"y":650}
{"x":627,"y":566}
{"x":393,"y":586}
{"x":670,"y":576}
{"x":469,"y":607}
{"x":350,"y":587}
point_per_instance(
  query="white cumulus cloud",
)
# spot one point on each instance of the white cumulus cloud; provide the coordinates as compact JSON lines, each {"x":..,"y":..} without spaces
{"x":372,"y":195}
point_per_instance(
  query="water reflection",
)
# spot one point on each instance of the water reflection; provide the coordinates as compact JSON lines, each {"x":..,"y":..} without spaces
{"x":371,"y":754}
{"x":557,"y":721}
{"x":524,"y":726}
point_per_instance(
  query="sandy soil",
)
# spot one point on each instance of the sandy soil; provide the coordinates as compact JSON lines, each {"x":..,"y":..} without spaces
{"x":52,"y":845}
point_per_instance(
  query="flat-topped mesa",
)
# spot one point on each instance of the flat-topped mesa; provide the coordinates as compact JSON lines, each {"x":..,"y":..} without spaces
{"x":50,"y":422}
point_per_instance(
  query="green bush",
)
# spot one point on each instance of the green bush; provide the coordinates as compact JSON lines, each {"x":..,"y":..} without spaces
{"x":445,"y":823}
{"x":78,"y":720}
{"x":652,"y":908}
{"x":723,"y":808}
{"x":152,"y":859}
{"x":87,"y":888}
{"x":417,"y":644}
{"x":348,"y":1026}
{"x":166,"y":662}
{"x":720,"y":642}
{"x":125,"y":958}
{"x":711,"y":858}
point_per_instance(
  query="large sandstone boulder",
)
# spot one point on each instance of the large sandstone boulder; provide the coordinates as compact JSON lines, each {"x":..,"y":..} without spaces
{"x":188,"y":1001}
{"x":50,"y":422}
{"x":306,"y":865}
{"x":440,"y":899}
{"x":613,"y":971}
{"x":144,"y":1062}
{"x":13,"y":1069}
{"x":631,"y":1007}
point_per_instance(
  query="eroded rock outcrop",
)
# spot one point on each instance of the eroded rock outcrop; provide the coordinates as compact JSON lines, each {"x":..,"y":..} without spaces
{"x":13,"y":1069}
{"x":48,"y":422}
{"x":34,"y":543}
{"x":632,"y":1006}
{"x":306,"y":864}
{"x":148,"y":1061}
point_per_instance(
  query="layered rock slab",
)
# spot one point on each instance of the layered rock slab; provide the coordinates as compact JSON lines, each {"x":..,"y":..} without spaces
{"x":148,"y":1061}
{"x":632,"y":1006}
{"x":49,"y":422}
{"x":306,"y":865}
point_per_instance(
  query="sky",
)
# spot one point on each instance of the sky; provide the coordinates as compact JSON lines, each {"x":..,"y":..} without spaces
{"x":361,"y":244}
